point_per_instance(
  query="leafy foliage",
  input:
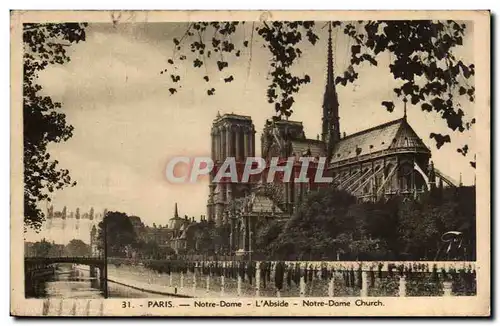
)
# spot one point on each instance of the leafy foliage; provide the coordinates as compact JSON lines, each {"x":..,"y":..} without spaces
{"x":44,"y":45}
{"x":120,"y":234}
{"x":152,"y":250}
{"x":331,"y":224}
{"x":283,"y":39}
{"x":77,"y":248}
{"x":421,"y":224}
{"x":421,"y":57}
{"x":44,"y":248}
{"x":316,"y":230}
{"x":267,"y":233}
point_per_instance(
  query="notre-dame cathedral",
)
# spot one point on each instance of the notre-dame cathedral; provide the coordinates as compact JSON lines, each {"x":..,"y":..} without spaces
{"x":371,"y":164}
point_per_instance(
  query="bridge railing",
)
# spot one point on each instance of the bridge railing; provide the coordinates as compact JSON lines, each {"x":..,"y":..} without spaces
{"x":63,"y":259}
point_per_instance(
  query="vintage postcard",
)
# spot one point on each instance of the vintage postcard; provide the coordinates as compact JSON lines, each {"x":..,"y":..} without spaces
{"x":250,"y":163}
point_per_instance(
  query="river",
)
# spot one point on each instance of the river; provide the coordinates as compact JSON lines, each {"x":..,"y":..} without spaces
{"x":75,"y":283}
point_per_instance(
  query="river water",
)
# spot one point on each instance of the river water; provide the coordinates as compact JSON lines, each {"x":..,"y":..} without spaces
{"x":75,"y":283}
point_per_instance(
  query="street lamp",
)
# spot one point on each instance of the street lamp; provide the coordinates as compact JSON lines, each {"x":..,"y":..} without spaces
{"x":105,"y":258}
{"x":250,"y":235}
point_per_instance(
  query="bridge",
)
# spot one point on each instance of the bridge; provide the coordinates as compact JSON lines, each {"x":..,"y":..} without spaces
{"x":38,"y":268}
{"x":83,"y":260}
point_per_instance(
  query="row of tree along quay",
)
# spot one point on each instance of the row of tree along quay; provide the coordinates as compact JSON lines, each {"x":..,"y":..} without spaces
{"x":316,"y":278}
{"x":45,"y":248}
{"x":329,"y":225}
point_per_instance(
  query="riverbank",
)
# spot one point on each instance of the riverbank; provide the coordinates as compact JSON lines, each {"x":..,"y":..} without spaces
{"x":215,"y":282}
{"x":126,"y":285}
{"x":339,"y":280}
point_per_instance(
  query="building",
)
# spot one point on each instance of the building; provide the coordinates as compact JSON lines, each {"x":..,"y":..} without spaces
{"x":178,"y":226}
{"x":43,"y":248}
{"x":232,"y":136}
{"x":178,"y":234}
{"x":372,"y":164}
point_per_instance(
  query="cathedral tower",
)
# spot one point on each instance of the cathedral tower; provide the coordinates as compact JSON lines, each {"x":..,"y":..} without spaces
{"x":232,"y":136}
{"x":330,"y":133}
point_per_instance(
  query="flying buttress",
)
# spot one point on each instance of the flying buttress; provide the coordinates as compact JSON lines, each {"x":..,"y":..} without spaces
{"x":345,"y":182}
{"x":424,"y":176}
{"x":448,"y":180}
{"x":361,"y":180}
{"x":389,"y":177}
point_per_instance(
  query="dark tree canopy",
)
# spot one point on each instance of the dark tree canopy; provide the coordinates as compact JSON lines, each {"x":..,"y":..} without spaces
{"x":120,"y":233}
{"x":42,"y":248}
{"x":149,"y":249}
{"x":77,"y":248}
{"x":331,"y":224}
{"x":43,"y":123}
{"x":421,"y":58}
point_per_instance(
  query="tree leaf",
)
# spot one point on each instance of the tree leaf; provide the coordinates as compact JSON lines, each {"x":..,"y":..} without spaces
{"x":426,"y":107}
{"x":440,"y":139}
{"x":389,"y":105}
{"x":355,"y":49}
{"x":197,"y":63}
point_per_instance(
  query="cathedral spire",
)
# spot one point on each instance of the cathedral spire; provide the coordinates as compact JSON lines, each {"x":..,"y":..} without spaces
{"x":330,"y":80}
{"x":405,"y":100}
{"x":330,"y":128}
{"x":176,"y":212}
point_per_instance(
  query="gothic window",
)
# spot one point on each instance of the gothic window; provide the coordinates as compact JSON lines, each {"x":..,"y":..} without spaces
{"x":406,"y":173}
{"x":388,"y":170}
{"x":419,"y":181}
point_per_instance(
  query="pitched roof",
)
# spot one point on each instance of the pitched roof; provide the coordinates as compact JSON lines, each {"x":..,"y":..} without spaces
{"x":302,"y":146}
{"x":393,"y":134}
{"x":263,"y":204}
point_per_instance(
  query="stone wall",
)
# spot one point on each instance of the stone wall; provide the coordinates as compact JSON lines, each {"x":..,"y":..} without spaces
{"x":301,"y":279}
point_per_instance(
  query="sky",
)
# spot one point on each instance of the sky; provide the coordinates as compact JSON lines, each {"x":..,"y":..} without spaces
{"x":128,"y":125}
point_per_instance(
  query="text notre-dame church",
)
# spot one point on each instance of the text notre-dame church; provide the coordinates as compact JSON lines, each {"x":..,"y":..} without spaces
{"x":372,"y":164}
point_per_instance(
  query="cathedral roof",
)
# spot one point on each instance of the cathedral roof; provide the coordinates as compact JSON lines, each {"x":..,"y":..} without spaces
{"x":290,"y":129}
{"x":232,"y":116}
{"x":308,"y":147}
{"x":391,"y":135}
{"x":263,"y":204}
{"x":289,"y":123}
{"x":255,"y":203}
